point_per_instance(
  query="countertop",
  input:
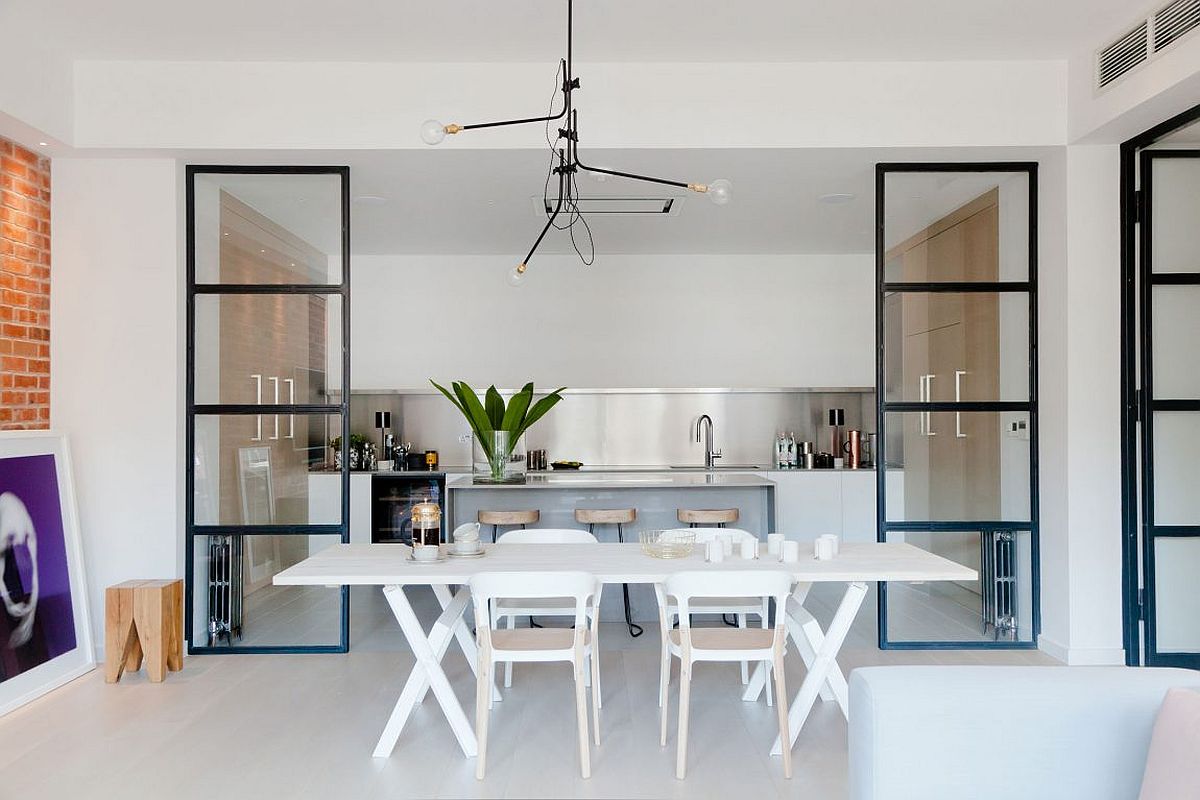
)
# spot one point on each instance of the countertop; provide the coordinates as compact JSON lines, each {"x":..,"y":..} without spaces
{"x":672,"y":479}
{"x":608,"y":470}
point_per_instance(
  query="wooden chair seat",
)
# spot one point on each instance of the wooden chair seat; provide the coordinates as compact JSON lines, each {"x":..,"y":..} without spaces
{"x":605,"y":516}
{"x":527,"y":517}
{"x":707,"y":516}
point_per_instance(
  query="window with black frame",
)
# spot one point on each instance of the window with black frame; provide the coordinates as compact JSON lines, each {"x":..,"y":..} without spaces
{"x":267,"y":360}
{"x":957,"y":415}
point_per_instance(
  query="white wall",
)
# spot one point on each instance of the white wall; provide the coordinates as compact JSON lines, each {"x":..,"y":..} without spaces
{"x":844,"y":104}
{"x":626,"y":321}
{"x":36,"y":90}
{"x":116,"y":359}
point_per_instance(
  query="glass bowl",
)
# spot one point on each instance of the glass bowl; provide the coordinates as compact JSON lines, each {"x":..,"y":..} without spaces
{"x":667,"y":544}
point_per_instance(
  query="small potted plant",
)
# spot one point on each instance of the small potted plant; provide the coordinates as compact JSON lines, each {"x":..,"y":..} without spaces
{"x":357,"y":441}
{"x":499,"y":429}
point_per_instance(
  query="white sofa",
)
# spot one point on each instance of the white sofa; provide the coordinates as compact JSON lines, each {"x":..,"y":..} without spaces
{"x":1003,"y":732}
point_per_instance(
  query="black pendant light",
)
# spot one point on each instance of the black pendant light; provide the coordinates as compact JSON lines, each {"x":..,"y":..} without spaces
{"x":565,"y":163}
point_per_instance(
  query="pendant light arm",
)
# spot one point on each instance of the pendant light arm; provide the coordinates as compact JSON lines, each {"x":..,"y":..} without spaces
{"x":565,"y":89}
{"x":562,"y":179}
{"x":632,"y":176}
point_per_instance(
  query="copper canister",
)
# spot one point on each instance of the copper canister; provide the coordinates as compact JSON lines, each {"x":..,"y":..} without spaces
{"x":426,"y":524}
{"x":853,"y":448}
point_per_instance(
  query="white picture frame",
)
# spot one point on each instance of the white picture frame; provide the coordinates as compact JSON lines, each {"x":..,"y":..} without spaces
{"x":58,"y":668}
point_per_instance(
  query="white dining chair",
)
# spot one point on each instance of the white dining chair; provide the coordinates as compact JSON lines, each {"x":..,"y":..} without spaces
{"x":740,"y":607}
{"x":576,"y":645}
{"x":509,"y":609}
{"x":690,"y":644}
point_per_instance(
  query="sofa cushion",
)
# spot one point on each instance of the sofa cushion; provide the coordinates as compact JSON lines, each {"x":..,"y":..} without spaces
{"x":1173,"y":766}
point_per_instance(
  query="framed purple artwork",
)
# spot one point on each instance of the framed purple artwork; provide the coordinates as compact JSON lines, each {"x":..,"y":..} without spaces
{"x":45,"y":629}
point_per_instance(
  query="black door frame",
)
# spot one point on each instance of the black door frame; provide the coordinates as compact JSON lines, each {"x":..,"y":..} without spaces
{"x":884,"y":406}
{"x":1136,"y":405}
{"x":342,"y":289}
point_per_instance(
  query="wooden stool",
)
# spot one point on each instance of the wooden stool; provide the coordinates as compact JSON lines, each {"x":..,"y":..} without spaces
{"x":695,"y":517}
{"x":498,"y":518}
{"x":143,"y":619}
{"x":619,"y":517}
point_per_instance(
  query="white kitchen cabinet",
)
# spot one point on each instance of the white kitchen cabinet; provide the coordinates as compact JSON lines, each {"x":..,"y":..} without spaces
{"x":808,"y":503}
{"x":858,"y":505}
{"x":324,"y":499}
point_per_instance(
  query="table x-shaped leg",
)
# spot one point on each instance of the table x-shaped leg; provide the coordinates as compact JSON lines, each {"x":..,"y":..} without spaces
{"x":427,"y":672}
{"x":824,"y":663}
{"x":807,"y":636}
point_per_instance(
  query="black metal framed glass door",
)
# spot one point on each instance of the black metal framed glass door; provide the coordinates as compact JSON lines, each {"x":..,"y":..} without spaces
{"x":1169,"y":405}
{"x":956,"y":333}
{"x":268,"y":368}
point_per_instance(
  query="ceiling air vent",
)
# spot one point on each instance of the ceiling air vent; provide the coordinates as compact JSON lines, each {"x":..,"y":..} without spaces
{"x":1123,"y":55}
{"x":1174,"y":22}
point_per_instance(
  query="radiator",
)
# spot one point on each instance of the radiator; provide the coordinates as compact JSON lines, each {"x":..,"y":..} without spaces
{"x":225,"y":589}
{"x":998,"y":582}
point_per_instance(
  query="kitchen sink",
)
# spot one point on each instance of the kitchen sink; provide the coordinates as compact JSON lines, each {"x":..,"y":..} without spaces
{"x":716,"y":468}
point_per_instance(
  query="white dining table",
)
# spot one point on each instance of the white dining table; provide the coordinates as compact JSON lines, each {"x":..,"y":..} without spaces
{"x":389,"y":566}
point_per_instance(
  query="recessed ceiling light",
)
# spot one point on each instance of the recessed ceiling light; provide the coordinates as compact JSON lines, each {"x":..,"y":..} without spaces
{"x":43,"y":144}
{"x":370,"y":200}
{"x":836,"y":199}
{"x":262,"y":251}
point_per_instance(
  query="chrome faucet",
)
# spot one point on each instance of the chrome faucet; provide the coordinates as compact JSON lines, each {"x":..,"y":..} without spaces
{"x":710,"y":455}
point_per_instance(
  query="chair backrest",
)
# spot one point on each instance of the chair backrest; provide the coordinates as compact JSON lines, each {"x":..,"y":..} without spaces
{"x":488,"y":586}
{"x":704,"y":535}
{"x":683,"y":586}
{"x":547,"y":536}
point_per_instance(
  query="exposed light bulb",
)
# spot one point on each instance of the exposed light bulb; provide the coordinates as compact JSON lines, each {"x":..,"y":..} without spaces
{"x":432,"y":131}
{"x":516,"y":275}
{"x":720,"y":191}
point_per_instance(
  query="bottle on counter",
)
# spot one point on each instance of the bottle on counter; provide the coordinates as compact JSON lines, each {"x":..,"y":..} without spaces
{"x":791,"y":450}
{"x":781,"y":451}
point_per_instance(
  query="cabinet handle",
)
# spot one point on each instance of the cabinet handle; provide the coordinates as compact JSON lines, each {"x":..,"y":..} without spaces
{"x":958,"y":374}
{"x":921,"y":399}
{"x":291,"y":384}
{"x":275,"y":382}
{"x":929,"y":431}
{"x":257,"y":437}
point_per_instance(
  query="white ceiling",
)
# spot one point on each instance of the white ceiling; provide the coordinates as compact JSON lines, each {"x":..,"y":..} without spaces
{"x":480,"y":201}
{"x":606,"y":30}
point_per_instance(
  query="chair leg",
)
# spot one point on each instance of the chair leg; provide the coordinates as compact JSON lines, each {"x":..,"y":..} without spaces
{"x":741,"y":623}
{"x":767,"y":684}
{"x":781,"y":690}
{"x":635,"y":630}
{"x":508,"y":667}
{"x":483,"y":698}
{"x":685,"y":696}
{"x":766,"y":616}
{"x":664,"y":675}
{"x":585,"y":765}
{"x":664,"y":684}
{"x":595,"y":669}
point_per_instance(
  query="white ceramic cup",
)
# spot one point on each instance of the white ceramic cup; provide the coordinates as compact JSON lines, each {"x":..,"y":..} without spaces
{"x":823,"y":549}
{"x":834,"y":542}
{"x":774,"y":544}
{"x":714,"y":551}
{"x":425,"y":553}
{"x":791,"y":552}
{"x":726,"y":542}
{"x":466,"y":546}
{"x":749,"y":548}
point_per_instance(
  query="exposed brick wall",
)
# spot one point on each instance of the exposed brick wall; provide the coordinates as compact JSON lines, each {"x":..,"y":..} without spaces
{"x":24,"y":288}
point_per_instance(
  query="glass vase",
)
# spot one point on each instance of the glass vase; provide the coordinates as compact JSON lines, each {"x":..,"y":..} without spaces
{"x":498,"y":457}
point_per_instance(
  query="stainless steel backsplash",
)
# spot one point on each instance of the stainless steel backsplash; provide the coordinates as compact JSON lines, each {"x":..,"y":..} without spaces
{"x":633,"y":427}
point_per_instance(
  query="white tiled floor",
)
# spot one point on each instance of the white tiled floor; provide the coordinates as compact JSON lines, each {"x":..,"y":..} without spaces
{"x":304,"y":726}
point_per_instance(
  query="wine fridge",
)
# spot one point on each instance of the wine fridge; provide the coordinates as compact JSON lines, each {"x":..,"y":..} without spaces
{"x":392,"y":499}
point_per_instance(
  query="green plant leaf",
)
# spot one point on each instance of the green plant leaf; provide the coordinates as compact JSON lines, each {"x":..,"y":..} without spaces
{"x":494,"y":405}
{"x":517,"y":406}
{"x":540,"y":408}
{"x":476,"y":415}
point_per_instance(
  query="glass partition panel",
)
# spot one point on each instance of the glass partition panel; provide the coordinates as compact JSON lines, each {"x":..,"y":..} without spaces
{"x":235,"y":602}
{"x":1176,"y":443}
{"x":1175,"y":237}
{"x":1177,"y":594}
{"x":956,"y":226}
{"x":1176,"y":332}
{"x":946,"y":347}
{"x":268,"y":228}
{"x":957,"y":466}
{"x":268,"y":348}
{"x":266,"y":469}
{"x":997,"y":606}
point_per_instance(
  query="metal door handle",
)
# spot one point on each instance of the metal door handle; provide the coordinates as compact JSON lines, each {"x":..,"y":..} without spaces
{"x":257,"y":437}
{"x":958,"y":373}
{"x":291,"y":384}
{"x":921,"y":399}
{"x":929,"y":431}
{"x":275,"y":382}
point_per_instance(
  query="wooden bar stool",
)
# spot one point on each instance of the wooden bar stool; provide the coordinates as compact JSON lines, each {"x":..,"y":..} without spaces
{"x":499,"y":518}
{"x":143,"y":619}
{"x":619,"y":517}
{"x":707,"y":517}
